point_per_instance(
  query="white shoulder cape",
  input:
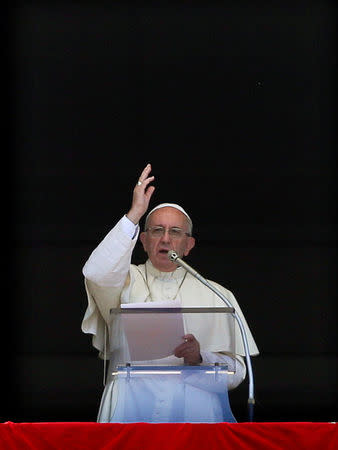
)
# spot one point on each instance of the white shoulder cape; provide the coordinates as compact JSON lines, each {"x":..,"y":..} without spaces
{"x":212,"y":333}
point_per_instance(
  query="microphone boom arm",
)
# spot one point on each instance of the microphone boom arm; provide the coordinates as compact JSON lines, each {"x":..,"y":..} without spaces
{"x":173,"y":256}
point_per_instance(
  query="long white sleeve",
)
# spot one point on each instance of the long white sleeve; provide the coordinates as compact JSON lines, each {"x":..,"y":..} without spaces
{"x":234,"y":379}
{"x":105,"y":275}
{"x":109,"y":263}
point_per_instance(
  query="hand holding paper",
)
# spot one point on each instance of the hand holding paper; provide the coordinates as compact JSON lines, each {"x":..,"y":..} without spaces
{"x":189,"y":350}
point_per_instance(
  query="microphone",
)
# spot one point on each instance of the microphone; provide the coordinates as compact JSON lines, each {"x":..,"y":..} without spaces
{"x":173,"y":256}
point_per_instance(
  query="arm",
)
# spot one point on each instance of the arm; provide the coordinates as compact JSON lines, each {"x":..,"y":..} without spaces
{"x":234,"y":379}
{"x":108,"y":265}
{"x":190,"y":351}
{"x":106,"y":271}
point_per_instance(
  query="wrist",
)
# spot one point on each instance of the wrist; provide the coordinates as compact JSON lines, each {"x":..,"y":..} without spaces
{"x":133,"y":216}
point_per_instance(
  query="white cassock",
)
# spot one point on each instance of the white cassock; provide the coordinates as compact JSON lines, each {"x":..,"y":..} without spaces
{"x":110,"y":280}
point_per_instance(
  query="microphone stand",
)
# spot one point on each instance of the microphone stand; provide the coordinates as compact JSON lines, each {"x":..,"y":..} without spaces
{"x":173,"y":256}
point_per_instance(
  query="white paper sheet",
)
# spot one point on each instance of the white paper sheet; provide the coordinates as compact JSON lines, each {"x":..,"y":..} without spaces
{"x":150,"y":335}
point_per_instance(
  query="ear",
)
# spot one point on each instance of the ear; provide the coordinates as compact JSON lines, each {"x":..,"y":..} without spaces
{"x":190,"y":245}
{"x":143,"y":239}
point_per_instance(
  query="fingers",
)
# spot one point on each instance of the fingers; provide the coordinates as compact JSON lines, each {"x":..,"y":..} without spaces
{"x":146,"y":171}
{"x":141,"y":195}
{"x":189,"y":349}
{"x":189,"y":338}
{"x":149,"y":192}
{"x":141,"y":187}
{"x":144,"y":183}
{"x":144,"y":176}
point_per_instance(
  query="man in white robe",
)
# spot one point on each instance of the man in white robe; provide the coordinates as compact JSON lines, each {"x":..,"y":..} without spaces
{"x":111,"y":280}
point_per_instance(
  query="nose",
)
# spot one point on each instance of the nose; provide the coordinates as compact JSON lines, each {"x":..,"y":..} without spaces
{"x":166,"y":236}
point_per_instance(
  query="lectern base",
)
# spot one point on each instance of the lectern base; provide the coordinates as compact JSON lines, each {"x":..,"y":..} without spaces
{"x":164,"y":394}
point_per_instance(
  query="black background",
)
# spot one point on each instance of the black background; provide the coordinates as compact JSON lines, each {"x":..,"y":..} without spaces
{"x":234,"y":106}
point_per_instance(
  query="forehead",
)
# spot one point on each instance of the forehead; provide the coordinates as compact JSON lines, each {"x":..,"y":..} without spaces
{"x":168,"y":216}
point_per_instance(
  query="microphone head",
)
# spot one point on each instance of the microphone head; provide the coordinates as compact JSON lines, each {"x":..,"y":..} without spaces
{"x":172,"y":255}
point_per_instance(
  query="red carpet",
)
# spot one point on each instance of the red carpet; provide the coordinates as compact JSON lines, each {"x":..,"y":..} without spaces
{"x":74,"y":435}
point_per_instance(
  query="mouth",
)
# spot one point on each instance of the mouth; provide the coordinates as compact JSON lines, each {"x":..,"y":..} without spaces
{"x":164,"y":251}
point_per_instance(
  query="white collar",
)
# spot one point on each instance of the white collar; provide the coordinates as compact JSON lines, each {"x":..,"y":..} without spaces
{"x":177,"y":274}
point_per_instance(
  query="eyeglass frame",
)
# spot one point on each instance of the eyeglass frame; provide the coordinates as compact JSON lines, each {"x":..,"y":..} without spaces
{"x":168,"y":229}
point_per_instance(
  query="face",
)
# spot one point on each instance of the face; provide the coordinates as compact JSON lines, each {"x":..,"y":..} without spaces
{"x":157,"y":247}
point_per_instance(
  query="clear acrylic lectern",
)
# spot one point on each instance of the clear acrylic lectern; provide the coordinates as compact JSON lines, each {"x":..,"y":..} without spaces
{"x":150,"y":384}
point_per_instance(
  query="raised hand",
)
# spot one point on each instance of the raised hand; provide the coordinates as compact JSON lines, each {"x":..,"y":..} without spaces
{"x":141,"y":195}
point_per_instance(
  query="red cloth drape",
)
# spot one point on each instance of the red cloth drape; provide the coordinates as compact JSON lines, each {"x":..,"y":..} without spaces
{"x":74,"y":435}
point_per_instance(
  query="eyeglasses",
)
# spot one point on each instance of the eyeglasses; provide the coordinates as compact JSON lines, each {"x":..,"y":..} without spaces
{"x":174,"y":232}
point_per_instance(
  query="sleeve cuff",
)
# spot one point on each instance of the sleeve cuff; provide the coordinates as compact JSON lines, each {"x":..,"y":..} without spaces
{"x":128,"y":227}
